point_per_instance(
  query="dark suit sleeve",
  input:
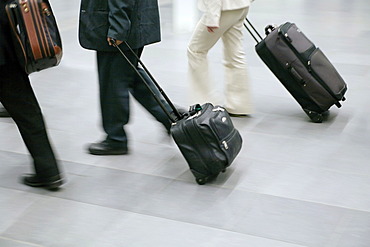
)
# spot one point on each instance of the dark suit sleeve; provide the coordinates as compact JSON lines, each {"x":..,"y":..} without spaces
{"x":120,"y":12}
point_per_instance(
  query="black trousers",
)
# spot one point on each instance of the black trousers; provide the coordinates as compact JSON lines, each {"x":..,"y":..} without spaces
{"x":117,"y":80}
{"x":18,"y":98}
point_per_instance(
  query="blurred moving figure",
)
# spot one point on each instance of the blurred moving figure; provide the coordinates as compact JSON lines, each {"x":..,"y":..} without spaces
{"x":222,"y":19}
{"x":136,"y":22}
{"x":17,"y":95}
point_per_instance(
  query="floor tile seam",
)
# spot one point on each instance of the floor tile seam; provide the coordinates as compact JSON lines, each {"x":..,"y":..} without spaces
{"x":26,"y":153}
{"x":217,"y":186}
{"x":122,"y":170}
{"x":47,"y":196}
{"x":104,"y":167}
{"x":74,"y":162}
{"x":115,"y":209}
{"x":224,"y":187}
{"x":304,"y":201}
{"x":21,"y":242}
{"x":306,"y":166}
{"x":279,"y":136}
{"x":16,"y":152}
{"x":171,"y":220}
{"x":155,"y":216}
{"x":253,"y":159}
{"x":27,"y":209}
{"x":198,"y":225}
{"x":189,"y":222}
{"x":119,"y":169}
{"x":225,"y":229}
{"x":231,"y":188}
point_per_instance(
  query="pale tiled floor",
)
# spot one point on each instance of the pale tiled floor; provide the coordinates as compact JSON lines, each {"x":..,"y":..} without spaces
{"x":295,"y":183}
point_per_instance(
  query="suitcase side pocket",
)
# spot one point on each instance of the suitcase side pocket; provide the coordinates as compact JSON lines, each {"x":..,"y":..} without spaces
{"x":228,"y":137}
{"x":296,"y":66}
{"x":315,"y":61}
{"x":296,"y":38}
{"x":193,"y":144}
{"x":231,"y":145}
{"x":314,"y":89}
{"x":325,"y":71}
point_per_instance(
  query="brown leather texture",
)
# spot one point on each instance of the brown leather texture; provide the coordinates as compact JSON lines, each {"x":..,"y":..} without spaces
{"x":36,"y":34}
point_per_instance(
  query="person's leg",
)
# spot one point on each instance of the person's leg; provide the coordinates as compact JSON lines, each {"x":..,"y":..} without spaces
{"x":114,"y":95}
{"x":17,"y":96}
{"x":115,"y":77}
{"x":237,"y":91}
{"x":202,"y":89}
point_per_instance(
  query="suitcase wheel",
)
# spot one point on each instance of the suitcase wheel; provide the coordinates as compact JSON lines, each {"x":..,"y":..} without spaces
{"x":201,"y":181}
{"x":314,"y":116}
{"x":204,"y":180}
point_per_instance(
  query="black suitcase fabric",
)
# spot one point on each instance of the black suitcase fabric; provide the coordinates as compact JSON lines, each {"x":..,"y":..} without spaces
{"x":302,"y":68}
{"x":208,"y":140}
{"x":205,"y":134}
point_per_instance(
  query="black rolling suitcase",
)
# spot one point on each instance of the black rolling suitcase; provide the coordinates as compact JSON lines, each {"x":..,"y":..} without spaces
{"x":208,"y":140}
{"x":205,"y":134}
{"x":301,"y":67}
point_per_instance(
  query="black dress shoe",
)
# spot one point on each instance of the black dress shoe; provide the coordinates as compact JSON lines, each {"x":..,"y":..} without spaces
{"x":106,"y":148}
{"x":4,"y":112}
{"x":51,"y":183}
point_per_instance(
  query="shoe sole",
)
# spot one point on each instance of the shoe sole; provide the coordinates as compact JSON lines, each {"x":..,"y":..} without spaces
{"x":50,"y":186}
{"x":55,"y":185}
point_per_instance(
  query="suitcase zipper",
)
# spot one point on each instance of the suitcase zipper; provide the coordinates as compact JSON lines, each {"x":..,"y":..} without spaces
{"x":225,"y":145}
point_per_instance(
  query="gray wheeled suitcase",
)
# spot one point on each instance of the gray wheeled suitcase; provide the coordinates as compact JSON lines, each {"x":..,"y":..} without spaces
{"x":301,"y":67}
{"x":205,"y":134}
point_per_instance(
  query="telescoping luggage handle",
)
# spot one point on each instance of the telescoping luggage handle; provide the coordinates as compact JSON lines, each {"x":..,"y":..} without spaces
{"x":254,"y":33}
{"x":156,"y":97}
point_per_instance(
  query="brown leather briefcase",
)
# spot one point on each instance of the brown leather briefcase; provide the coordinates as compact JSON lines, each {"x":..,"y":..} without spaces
{"x":35,"y":33}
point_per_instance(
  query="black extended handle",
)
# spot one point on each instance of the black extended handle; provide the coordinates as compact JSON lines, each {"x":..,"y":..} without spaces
{"x":253,"y":31}
{"x":156,"y":97}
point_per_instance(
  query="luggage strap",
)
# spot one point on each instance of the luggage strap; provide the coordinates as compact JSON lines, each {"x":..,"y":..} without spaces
{"x":177,"y":116}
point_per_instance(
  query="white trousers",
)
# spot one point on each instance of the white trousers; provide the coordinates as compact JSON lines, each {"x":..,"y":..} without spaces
{"x":237,"y":96}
